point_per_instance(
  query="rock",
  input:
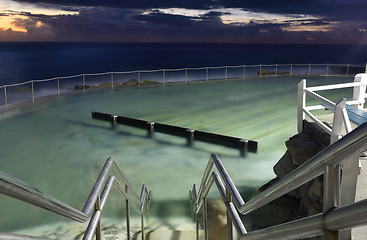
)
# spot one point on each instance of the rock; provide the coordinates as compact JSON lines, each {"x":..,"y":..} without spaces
{"x":130,"y":82}
{"x":108,"y":84}
{"x":149,"y":82}
{"x":81,"y":87}
{"x":302,"y":147}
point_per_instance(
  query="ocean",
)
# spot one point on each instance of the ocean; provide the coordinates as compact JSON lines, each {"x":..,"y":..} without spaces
{"x":20,"y":62}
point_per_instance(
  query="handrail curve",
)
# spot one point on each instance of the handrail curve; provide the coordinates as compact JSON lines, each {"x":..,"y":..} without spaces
{"x":348,"y":147}
{"x":23,"y":191}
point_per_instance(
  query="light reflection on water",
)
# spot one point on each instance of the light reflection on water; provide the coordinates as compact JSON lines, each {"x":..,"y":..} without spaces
{"x":58,"y":148}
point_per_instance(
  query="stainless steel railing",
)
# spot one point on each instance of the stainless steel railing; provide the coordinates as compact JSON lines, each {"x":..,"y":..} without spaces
{"x":21,"y":190}
{"x":334,"y":217}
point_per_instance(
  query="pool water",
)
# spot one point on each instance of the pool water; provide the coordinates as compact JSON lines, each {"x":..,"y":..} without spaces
{"x":58,"y":148}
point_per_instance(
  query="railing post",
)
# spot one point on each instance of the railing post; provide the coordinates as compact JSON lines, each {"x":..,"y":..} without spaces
{"x":207,"y":74}
{"x":331,"y":195}
{"x":347,"y":70}
{"x":205,"y":219}
{"x":360,"y":91}
{"x":97,"y":207}
{"x":127,"y":213}
{"x":260,"y":70}
{"x":164,"y":76}
{"x":111,"y":80}
{"x":226,"y":73}
{"x":6,"y":99}
{"x":301,"y":96}
{"x":291,"y":70}
{"x":142,"y":226}
{"x":338,"y":121}
{"x":138,"y":78}
{"x":244,"y":72}
{"x":32,"y":91}
{"x":197,"y":226}
{"x":186,"y":74}
{"x":58,"y":87}
{"x":309,"y":69}
{"x":327,"y":69}
{"x":229,"y":220}
{"x":83,"y":83}
{"x":276,"y":69}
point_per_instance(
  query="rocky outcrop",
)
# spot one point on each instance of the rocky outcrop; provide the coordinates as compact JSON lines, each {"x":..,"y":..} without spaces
{"x":301,"y":202}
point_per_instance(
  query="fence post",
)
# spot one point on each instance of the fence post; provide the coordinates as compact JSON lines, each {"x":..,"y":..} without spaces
{"x":186,"y":74}
{"x":260,"y":70}
{"x":291,"y":70}
{"x":127,"y":213}
{"x":309,"y":69}
{"x":6,"y":99}
{"x":226,"y":73}
{"x":84,"y":83}
{"x":205,"y":219}
{"x":347,"y":70}
{"x":164,"y":76}
{"x":360,"y":91}
{"x":244,"y":72}
{"x":58,"y":87}
{"x":327,"y":69}
{"x":138,"y":78}
{"x":301,"y":96}
{"x":32,"y":92}
{"x":207,"y":74}
{"x":331,"y":195}
{"x":229,"y":220}
{"x":276,"y":69}
{"x":338,"y":121}
{"x":111,"y":80}
{"x":97,"y":207}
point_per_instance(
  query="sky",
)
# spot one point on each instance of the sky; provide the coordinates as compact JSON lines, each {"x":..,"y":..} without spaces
{"x":217,"y":21}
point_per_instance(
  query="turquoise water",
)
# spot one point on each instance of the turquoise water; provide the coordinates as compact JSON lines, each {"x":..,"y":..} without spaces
{"x":58,"y":148}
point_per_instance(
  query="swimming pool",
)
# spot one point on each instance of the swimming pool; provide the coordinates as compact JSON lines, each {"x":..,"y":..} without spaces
{"x":58,"y":148}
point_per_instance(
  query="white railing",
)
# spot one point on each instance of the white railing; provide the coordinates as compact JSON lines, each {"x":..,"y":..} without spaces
{"x":337,"y":215}
{"x":341,"y":120}
{"x":31,"y":90}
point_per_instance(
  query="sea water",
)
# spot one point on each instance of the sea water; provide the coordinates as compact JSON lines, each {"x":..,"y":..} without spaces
{"x":57,"y":147}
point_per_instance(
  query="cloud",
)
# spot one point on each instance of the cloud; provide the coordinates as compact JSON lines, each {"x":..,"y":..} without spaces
{"x":150,"y":21}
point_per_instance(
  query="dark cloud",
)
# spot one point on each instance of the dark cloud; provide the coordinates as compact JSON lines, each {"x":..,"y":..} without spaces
{"x":144,"y":20}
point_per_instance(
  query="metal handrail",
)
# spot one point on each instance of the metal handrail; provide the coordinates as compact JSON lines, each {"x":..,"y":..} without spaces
{"x":23,"y":191}
{"x":334,"y":155}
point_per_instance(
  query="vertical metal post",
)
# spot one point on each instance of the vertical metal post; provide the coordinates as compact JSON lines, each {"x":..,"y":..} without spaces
{"x":327,"y":69}
{"x":359,"y":92}
{"x":205,"y":219}
{"x":229,"y":220}
{"x":244,"y":72}
{"x":309,"y":69}
{"x":84,"y":83}
{"x":347,"y":70}
{"x":197,"y":226}
{"x":186,"y":74}
{"x":260,"y":70}
{"x":32,"y":92}
{"x":6,"y":99}
{"x":111,"y":80}
{"x":291,"y":70}
{"x":164,"y":76}
{"x":276,"y":69}
{"x":97,"y":207}
{"x":127,"y":213}
{"x":226,"y":73}
{"x":301,"y":103}
{"x":338,"y":121}
{"x":142,"y":226}
{"x":138,"y":78}
{"x":331,"y":195}
{"x":207,"y":74}
{"x":58,"y":87}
